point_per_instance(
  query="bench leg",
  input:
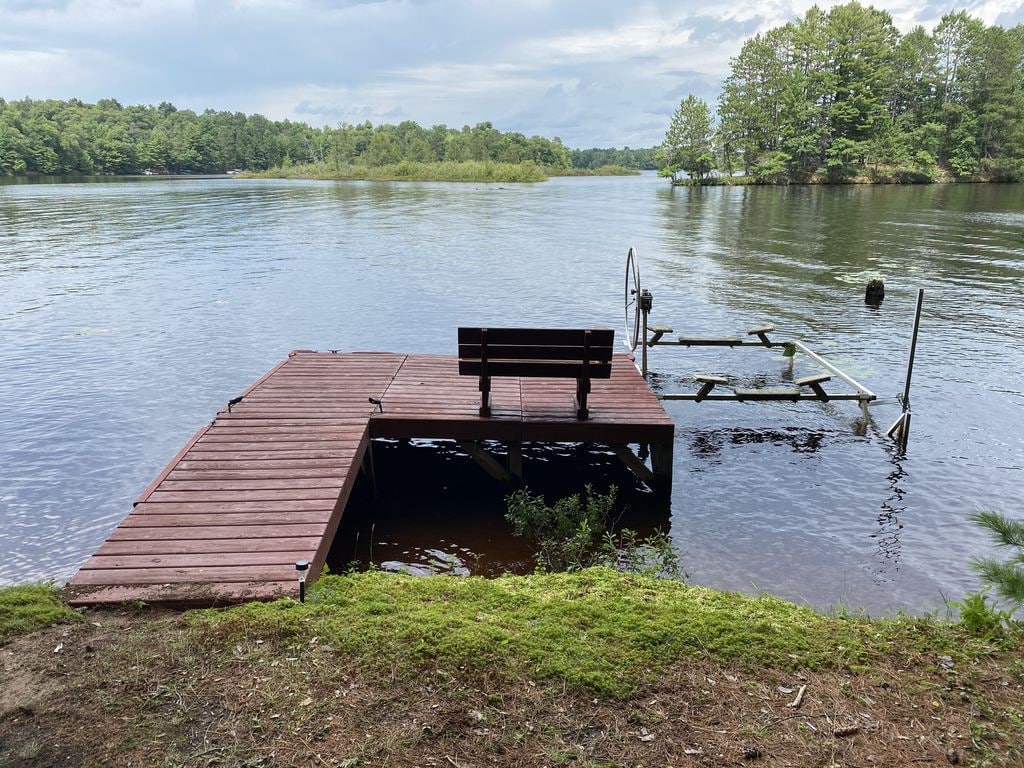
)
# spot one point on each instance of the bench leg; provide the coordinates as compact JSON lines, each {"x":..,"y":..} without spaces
{"x":582,"y":390}
{"x":485,"y":395}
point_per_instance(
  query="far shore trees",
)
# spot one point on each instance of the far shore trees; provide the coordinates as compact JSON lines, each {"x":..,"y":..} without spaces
{"x":841,"y":95}
{"x":50,"y":137}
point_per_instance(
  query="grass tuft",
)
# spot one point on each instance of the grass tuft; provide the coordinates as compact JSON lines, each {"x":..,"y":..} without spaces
{"x":26,"y":608}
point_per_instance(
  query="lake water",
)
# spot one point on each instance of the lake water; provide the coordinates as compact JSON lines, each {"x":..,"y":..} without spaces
{"x":130,"y":311}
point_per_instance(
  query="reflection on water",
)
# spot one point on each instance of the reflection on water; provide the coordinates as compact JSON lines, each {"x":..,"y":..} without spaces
{"x":889,"y":525}
{"x":131,"y":311}
{"x":709,"y":443}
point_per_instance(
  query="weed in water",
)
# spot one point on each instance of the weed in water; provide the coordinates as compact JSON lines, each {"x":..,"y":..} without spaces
{"x":580,"y":531}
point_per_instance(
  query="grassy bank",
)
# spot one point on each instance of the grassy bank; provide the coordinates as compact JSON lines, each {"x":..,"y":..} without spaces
{"x":604,"y":170}
{"x":590,"y":669}
{"x":472,"y":171}
{"x":469,"y":171}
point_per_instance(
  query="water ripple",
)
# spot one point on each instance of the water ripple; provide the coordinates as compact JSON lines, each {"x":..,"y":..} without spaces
{"x":132,"y":310}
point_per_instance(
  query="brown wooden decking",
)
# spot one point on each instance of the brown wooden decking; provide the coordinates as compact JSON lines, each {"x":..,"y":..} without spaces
{"x":267,"y":482}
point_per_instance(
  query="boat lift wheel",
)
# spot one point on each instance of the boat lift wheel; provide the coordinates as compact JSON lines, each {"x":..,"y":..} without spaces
{"x":631,"y":300}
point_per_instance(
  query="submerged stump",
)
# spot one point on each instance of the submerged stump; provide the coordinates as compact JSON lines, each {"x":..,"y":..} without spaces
{"x":874,"y":293}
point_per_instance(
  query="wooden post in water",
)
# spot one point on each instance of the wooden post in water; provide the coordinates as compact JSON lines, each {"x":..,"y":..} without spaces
{"x":874,"y":293}
{"x":515,"y":461}
{"x":661,"y":464}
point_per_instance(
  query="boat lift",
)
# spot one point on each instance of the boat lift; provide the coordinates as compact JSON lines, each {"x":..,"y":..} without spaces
{"x":639,"y":302}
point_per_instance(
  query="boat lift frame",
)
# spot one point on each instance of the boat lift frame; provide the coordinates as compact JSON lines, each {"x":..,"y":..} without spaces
{"x":639,"y":303}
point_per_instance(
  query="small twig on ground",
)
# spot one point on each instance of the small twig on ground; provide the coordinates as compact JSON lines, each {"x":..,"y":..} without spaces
{"x":795,"y":703}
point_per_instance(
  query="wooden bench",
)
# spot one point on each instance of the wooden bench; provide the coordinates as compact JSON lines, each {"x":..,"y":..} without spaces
{"x":560,"y":353}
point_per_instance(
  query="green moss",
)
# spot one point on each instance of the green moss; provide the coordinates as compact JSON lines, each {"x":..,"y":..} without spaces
{"x":30,"y":607}
{"x":597,"y":628}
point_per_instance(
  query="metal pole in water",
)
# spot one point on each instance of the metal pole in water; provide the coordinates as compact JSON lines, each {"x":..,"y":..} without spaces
{"x":643,"y":343}
{"x":646,"y":304}
{"x":913,"y":347}
{"x":904,"y":429}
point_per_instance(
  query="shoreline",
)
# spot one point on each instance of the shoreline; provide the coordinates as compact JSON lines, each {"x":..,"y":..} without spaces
{"x":598,"y":667}
{"x":453,"y":172}
{"x":751,"y":181}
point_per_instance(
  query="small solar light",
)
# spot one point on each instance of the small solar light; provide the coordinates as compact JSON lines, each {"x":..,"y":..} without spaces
{"x":301,"y":570}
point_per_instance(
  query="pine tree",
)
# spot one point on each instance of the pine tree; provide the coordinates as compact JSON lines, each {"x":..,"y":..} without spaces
{"x":1007,"y":577}
{"x":688,"y":145}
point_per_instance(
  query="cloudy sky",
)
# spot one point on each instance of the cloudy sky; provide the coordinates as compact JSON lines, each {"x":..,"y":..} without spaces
{"x":594,"y":72}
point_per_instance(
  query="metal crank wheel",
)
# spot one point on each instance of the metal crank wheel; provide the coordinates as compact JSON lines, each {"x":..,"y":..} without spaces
{"x":631,"y":300}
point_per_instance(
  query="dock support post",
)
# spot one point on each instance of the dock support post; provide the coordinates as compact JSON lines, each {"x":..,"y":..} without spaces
{"x":515,"y":461}
{"x":371,"y":471}
{"x":489,"y":464}
{"x":635,"y":465}
{"x":661,"y":462}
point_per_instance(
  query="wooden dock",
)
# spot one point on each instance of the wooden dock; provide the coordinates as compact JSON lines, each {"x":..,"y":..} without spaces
{"x":266,"y":483}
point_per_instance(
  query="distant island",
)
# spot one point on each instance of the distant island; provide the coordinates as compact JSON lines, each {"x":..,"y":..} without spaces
{"x":66,"y":138}
{"x":841,"y":97}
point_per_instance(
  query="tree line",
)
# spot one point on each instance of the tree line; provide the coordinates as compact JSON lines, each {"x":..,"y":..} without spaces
{"x":842,"y":94}
{"x":641,"y":159}
{"x":52,"y":137}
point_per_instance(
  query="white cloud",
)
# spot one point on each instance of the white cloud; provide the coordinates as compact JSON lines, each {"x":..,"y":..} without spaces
{"x":591,"y":71}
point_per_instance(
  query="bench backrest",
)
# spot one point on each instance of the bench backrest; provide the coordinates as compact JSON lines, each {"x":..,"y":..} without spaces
{"x":571,"y":353}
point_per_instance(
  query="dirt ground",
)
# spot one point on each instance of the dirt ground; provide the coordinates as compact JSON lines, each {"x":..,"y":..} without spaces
{"x":129,"y":688}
